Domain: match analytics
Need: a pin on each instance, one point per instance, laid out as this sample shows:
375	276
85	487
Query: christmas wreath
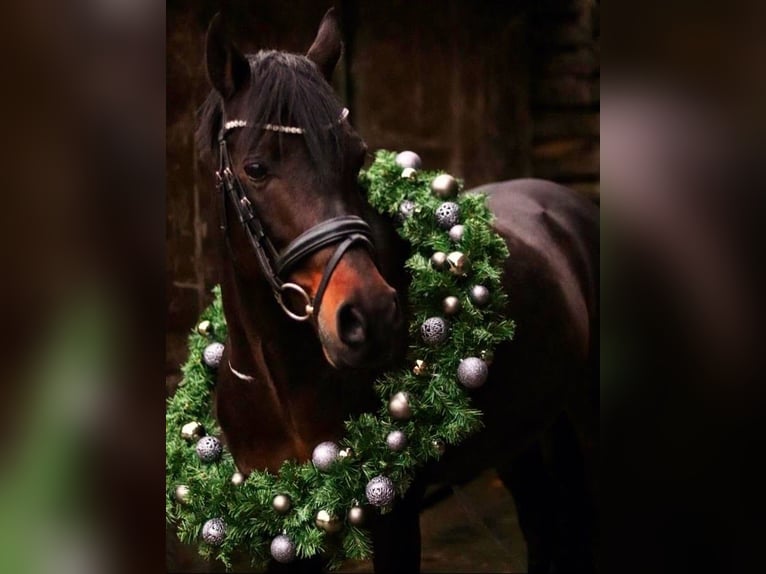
456	308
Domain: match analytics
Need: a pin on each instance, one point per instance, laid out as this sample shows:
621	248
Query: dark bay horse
313	316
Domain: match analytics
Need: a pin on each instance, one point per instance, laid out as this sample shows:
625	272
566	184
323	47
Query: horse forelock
285	89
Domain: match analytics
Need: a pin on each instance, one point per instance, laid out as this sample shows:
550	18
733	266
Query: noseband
345	231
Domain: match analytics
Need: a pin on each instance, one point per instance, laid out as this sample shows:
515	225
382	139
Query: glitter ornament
380	491
214	531
283	549
433	331
212	354
447	214
209	449
472	372
396	440
324	455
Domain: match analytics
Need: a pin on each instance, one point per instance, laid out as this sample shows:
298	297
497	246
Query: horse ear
227	69
327	46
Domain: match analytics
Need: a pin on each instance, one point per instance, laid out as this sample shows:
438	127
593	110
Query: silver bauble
439	260
408	159
433	331
380	491
451	305
458	263
479	294
409	172
328	522
212	354
324	455
209	449
182	493
214	531
445	186
355	515
282	504
192	431
399	406
447	214
205	328
406	209
456	232
237	478
396	440
283	549
472	372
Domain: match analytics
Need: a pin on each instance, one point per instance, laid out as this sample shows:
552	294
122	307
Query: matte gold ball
192	431
356	515
237	478
444	186
182	493
458	263
451	305
399	406
205	328
439	260
282	503
420	368
328	522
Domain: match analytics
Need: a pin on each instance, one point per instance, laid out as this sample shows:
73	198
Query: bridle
345	230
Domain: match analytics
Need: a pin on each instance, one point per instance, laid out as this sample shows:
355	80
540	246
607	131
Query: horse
314	294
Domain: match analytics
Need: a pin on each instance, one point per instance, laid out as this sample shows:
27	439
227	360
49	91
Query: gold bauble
356	515
205	328
439	260
182	494
451	305
458	263
439	445
420	368
282	503
445	186
399	406
328	522
192	431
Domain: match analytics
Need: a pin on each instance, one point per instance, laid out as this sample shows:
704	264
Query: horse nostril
351	326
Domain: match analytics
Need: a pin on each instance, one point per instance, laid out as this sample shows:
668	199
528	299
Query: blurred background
485	90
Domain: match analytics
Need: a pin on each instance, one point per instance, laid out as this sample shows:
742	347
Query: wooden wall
487	90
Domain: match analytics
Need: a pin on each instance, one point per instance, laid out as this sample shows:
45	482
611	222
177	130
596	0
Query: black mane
289	91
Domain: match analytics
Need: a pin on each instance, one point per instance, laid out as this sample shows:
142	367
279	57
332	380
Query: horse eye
256	171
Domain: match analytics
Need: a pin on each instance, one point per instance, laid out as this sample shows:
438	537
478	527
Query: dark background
485	90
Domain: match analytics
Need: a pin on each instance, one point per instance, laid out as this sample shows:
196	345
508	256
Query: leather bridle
345	230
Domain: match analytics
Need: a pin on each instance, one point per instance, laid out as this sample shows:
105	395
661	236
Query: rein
345	230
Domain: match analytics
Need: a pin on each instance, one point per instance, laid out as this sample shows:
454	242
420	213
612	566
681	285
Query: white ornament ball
237	478
472	372
380	491
283	549
408	159
444	186
396	440
212	354
214	531
447	214
456	232
325	454
434	331
479	294
209	449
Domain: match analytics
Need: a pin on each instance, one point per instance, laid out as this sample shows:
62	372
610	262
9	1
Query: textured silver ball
479	294
448	214
205	328
380	491
472	372
324	455
182	493
328	522
209	449
451	305
434	331
409	172
396	440
439	260
283	549
456	232
399	406
355	515
212	354
408	159
192	431
214	531
406	209
445	186
237	478
282	504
